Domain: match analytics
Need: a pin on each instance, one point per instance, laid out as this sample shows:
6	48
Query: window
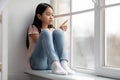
81	28
80	5
107	26
108	2
61	6
94	37
112	27
83	40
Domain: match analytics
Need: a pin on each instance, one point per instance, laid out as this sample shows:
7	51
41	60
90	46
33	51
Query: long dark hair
39	10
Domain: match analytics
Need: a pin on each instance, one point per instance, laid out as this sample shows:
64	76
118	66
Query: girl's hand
64	26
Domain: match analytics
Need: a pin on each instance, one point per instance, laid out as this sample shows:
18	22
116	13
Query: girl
46	45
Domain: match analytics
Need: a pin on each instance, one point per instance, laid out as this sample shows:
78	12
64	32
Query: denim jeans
49	47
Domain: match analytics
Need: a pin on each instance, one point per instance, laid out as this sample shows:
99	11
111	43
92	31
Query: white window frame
100	69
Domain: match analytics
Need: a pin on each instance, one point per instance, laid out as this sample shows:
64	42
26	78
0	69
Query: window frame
99	50
100	68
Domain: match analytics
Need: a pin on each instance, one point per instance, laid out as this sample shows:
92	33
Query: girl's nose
51	17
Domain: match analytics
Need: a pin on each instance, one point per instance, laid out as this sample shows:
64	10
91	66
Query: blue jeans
49	47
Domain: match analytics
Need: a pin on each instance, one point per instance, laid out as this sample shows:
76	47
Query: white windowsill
78	76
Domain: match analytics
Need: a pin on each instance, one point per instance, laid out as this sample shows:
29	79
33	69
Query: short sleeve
33	30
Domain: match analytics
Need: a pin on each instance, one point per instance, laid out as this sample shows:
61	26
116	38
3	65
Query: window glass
78	5
61	6
83	40
112	29
107	2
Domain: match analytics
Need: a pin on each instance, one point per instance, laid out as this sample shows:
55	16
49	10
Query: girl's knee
46	32
58	32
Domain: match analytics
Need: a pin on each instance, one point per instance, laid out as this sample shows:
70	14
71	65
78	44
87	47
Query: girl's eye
49	14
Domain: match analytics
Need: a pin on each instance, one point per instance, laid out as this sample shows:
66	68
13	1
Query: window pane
78	5
61	6
58	22
112	25
107	2
83	40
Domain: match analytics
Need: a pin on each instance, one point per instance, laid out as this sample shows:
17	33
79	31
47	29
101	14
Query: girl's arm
34	37
33	33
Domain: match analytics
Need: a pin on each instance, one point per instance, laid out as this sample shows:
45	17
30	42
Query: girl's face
47	16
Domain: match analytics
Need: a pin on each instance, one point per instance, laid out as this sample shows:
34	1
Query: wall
0	37
20	16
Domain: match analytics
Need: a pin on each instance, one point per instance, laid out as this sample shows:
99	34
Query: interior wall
0	37
20	16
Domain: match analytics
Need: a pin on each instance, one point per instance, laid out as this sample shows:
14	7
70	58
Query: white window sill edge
77	76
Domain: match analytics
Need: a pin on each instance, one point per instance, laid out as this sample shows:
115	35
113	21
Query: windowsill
77	76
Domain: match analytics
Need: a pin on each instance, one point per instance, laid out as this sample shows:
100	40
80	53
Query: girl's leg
38	60
60	46
59	43
44	52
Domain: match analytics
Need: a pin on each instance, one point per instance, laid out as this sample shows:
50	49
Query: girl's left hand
64	26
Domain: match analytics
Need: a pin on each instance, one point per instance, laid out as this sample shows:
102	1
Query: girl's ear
39	16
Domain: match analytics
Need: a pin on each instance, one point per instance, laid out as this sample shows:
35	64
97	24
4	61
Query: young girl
46	45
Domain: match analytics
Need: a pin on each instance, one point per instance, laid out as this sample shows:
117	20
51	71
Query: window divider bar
73	13
111	5
71	35
83	11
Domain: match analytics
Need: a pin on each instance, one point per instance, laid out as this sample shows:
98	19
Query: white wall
0	46
0	38
20	16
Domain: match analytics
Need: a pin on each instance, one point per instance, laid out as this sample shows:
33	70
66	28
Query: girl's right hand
64	26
